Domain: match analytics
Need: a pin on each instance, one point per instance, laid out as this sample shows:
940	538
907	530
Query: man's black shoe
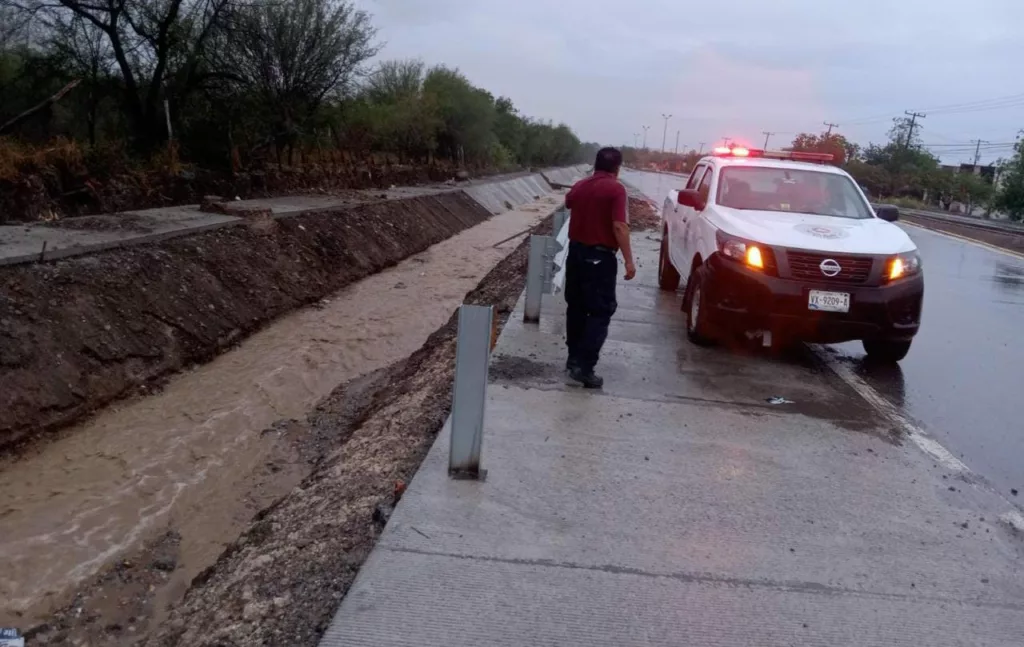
588	380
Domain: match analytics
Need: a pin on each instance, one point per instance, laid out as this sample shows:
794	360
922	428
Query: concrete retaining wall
502	196
29	243
562	177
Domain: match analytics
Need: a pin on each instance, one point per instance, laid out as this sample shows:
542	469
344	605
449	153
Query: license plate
828	301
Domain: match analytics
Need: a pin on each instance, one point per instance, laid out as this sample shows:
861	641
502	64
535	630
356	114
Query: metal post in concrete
535	272
472	362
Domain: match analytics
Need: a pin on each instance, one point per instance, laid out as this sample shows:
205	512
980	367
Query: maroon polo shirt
596	202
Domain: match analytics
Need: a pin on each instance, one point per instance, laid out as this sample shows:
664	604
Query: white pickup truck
782	246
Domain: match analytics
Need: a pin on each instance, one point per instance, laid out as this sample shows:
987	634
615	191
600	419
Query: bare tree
161	48
393	80
294	55
14	27
86	55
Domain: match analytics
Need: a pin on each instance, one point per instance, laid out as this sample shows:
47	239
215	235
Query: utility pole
636	140
913	120
977	151
646	128
766	134
830	127
664	131
677	142
701	151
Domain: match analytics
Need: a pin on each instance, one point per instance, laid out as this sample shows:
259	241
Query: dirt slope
80	333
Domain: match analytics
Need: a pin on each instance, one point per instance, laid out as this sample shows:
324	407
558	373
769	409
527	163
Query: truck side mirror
692	198
887	212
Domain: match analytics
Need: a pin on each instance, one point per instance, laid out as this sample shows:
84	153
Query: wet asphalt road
963	381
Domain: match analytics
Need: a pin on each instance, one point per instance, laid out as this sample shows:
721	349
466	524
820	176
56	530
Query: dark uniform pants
590	274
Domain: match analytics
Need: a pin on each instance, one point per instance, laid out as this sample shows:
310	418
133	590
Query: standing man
598	228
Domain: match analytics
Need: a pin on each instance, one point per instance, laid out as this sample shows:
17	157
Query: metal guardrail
545	273
966	221
476	339
561	225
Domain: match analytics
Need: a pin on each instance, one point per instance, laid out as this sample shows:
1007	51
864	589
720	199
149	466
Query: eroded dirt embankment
80	333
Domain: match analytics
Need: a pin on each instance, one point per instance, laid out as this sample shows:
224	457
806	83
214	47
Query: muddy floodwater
182	458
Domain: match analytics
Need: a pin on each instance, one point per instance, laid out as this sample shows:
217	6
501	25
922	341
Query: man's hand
630	270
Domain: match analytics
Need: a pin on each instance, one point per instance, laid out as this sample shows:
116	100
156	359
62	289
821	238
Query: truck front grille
807	265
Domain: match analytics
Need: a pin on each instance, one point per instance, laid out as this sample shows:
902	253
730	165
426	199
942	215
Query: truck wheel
668	277
695	306
885	350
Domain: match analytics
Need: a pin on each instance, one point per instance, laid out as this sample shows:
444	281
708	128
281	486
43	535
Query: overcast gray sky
733	68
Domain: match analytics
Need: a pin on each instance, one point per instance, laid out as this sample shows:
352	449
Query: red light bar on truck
800	156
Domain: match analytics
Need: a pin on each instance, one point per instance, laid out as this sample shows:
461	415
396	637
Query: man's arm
620	225
569	196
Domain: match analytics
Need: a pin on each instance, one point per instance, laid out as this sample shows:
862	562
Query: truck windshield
792	190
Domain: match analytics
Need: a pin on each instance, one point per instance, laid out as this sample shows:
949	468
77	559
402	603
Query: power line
998	100
987	144
993	103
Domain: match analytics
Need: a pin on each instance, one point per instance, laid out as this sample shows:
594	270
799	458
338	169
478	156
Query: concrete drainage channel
170	479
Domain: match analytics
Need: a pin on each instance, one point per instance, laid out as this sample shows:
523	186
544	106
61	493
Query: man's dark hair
608	160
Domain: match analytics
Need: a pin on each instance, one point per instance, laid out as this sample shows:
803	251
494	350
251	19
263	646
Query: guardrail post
472	362
535	273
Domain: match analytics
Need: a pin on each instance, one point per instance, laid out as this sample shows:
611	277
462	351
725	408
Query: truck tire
668	276
695	306
886	351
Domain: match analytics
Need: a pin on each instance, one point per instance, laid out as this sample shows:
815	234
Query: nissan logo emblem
829	267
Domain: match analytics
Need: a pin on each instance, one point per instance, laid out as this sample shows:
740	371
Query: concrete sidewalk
678	507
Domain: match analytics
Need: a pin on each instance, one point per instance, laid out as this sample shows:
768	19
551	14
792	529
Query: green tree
467	113
408	118
1010	197
972	190
834	143
509	128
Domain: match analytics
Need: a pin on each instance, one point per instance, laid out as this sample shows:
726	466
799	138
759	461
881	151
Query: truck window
695	177
763	188
705	185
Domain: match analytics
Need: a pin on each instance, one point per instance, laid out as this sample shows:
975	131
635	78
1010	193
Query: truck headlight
752	255
903	265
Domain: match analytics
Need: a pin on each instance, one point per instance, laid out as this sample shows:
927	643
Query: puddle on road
184	458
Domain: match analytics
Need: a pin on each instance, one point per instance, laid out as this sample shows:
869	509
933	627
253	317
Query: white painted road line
927	444
1014	519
